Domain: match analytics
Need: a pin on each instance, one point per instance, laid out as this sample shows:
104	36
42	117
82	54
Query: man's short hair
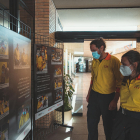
99	42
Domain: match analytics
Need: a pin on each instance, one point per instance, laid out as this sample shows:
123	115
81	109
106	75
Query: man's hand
87	98
113	105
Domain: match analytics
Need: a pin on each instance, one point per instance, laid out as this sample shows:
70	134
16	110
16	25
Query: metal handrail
6	16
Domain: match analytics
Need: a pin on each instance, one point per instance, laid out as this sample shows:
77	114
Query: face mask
125	70
24	113
96	55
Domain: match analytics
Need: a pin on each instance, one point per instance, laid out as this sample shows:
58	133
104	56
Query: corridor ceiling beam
78	36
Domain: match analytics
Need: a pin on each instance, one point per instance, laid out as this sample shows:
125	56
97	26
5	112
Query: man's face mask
125	70
96	55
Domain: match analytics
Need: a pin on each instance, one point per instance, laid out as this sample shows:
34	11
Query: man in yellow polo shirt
104	88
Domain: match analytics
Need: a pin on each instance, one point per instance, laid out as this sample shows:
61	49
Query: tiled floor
78	122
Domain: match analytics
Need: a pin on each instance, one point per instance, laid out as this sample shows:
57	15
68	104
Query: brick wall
42	17
30	5
46	18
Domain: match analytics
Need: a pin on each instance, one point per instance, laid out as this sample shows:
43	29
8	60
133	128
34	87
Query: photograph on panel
57	71
23	116
56	56
3	47
4	131
21	56
43	101
58	95
41	60
4	103
4	75
58	83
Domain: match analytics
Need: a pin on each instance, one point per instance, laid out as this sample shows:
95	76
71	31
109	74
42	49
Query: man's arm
113	103
118	77
90	87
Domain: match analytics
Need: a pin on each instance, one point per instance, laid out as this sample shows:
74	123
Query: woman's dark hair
133	56
99	42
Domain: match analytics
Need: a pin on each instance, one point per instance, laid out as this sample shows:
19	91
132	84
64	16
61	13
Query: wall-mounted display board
48	79
15	85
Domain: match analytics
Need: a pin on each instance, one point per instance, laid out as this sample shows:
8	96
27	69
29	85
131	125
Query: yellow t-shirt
59	84
26	117
44	64
17	54
1	109
130	95
46	55
40	62
6	109
23	57
55	85
3	136
106	76
22	120
39	105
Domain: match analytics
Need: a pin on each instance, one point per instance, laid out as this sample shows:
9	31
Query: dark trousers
126	127
98	105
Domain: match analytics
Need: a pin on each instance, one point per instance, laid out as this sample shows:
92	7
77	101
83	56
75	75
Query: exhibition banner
15	85
48	79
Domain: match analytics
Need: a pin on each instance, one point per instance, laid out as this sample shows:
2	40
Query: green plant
68	92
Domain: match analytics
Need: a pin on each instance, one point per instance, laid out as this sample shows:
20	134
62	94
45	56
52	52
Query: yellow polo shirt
17	54
130	95
106	76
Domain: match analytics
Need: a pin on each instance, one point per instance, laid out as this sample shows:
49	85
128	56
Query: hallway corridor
81	82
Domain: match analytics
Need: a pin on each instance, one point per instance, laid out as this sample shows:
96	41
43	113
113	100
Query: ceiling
111	46
100	19
95	3
98	15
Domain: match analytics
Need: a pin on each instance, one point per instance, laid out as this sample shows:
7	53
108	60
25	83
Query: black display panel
15	85
48	79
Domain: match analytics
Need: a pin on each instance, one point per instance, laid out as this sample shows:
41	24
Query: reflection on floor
81	82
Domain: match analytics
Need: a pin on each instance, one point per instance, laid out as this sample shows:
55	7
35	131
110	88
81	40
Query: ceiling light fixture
78	52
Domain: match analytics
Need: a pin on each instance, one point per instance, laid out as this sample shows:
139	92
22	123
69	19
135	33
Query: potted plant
68	92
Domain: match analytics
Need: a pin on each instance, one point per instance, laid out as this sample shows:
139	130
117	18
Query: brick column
42	17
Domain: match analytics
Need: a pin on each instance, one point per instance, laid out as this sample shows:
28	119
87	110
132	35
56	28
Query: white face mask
125	70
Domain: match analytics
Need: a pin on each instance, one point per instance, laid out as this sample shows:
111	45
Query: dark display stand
40	129
48	80
16	89
15	85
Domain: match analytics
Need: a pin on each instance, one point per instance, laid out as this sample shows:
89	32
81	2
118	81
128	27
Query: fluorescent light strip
102	28
78	52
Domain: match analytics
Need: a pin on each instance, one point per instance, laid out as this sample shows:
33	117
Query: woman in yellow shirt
127	122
